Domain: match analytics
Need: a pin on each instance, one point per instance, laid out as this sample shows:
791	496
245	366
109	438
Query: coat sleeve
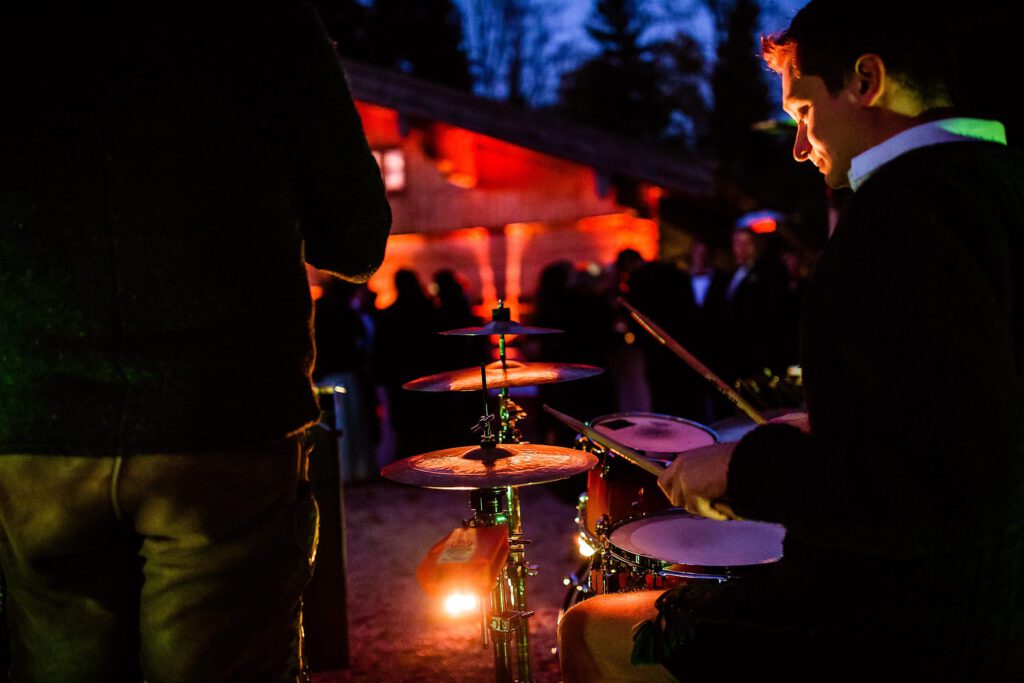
344	211
915	443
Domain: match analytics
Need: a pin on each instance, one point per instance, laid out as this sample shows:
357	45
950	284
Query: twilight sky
569	43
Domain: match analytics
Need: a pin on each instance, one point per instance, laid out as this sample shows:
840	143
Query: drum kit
641	541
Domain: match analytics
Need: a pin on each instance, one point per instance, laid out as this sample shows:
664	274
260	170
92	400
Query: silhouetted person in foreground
164	174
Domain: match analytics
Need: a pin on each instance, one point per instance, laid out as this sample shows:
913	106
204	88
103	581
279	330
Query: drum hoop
658	565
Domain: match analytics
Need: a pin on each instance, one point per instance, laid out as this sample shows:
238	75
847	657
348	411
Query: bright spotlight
458	604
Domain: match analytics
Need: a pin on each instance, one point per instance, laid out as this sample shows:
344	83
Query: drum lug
517	544
581	507
509	621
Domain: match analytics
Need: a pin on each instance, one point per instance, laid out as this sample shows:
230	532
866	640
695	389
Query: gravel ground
398	633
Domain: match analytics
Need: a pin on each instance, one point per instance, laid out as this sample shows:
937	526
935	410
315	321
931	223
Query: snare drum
618	489
673	546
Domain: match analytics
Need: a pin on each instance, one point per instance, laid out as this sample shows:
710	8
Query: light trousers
163	567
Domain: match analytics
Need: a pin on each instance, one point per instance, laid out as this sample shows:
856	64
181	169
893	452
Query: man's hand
697	478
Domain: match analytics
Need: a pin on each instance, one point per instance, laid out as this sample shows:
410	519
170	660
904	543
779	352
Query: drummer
905	545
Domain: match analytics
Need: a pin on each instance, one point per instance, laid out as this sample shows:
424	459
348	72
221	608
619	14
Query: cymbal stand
508	621
509	413
505	625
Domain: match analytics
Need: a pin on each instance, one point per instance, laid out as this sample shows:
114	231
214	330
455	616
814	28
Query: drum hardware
492	471
592	542
772	391
483	427
509	414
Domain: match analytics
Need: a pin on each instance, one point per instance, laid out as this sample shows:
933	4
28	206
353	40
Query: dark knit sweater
912	481
161	168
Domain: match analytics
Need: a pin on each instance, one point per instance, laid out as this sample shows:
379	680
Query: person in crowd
903	496
749	312
406	344
578	302
165	172
628	361
456	413
663	291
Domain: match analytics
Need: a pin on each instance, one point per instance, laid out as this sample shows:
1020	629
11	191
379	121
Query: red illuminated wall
506	263
535	209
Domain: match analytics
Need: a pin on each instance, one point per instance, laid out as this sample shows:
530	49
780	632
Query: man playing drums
903	505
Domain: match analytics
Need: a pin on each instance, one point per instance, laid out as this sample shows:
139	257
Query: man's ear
868	80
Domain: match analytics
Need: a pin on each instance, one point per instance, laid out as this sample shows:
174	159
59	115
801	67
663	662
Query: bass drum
617	489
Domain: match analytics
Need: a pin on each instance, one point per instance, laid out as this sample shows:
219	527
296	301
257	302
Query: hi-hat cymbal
481	467
500	327
513	374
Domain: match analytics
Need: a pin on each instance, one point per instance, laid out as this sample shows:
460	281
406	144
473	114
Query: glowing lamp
457	604
584	547
464	565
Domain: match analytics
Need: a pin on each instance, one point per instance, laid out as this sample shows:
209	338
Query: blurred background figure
664	292
628	365
455	413
751	311
453	312
577	301
406	345
344	367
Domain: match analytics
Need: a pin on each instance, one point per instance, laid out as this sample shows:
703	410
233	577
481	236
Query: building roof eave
607	153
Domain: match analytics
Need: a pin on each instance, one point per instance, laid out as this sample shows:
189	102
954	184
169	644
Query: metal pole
502	652
518	574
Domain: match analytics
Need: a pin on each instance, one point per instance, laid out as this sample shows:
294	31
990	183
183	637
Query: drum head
676	537
653	434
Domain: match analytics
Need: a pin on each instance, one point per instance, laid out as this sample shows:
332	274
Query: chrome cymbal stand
507	624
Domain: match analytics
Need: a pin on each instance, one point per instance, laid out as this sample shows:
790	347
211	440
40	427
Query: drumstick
691	360
607	442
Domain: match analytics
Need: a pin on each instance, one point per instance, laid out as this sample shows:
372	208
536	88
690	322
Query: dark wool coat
160	174
904	508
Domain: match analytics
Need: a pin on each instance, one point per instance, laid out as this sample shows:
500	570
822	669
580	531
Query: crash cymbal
500	327
479	467
513	374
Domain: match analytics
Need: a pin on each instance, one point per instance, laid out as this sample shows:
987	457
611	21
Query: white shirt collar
931	133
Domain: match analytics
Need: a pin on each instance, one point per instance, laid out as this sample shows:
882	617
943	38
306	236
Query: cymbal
514	374
480	467
500	327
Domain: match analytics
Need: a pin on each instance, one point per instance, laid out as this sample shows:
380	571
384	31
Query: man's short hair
826	37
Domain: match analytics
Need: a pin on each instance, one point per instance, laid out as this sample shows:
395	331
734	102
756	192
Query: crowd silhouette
736	310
